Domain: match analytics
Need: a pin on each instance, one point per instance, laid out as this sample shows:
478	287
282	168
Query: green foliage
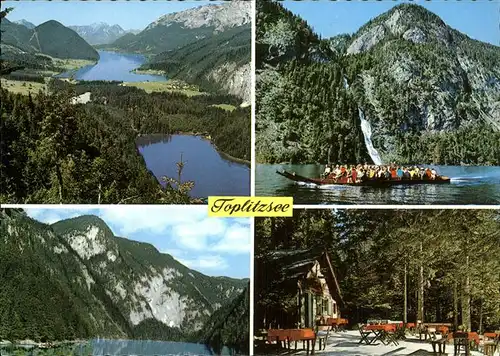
229	325
372	251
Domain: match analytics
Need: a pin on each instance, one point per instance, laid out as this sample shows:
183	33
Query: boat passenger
387	174
394	173
327	171
354	175
433	174
421	173
399	172
428	173
361	176
406	174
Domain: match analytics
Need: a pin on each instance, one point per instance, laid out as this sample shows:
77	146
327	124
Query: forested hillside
428	92
448	260
76	280
221	61
53	151
50	38
230	325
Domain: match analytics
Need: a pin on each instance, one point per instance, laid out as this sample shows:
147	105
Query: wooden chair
439	345
491	346
461	341
322	336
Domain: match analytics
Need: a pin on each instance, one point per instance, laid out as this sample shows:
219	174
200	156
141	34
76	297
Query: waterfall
367	133
346	84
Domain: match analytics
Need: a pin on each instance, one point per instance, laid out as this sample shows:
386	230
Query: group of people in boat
366	172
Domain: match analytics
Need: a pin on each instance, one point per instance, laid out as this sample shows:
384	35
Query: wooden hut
295	288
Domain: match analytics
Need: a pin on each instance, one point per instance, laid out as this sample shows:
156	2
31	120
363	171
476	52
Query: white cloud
50	216
207	262
236	240
156	219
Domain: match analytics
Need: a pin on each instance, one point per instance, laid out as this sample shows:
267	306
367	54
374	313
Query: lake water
145	348
469	185
212	173
114	66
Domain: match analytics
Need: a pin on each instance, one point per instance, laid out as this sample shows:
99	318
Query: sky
479	19
130	15
212	246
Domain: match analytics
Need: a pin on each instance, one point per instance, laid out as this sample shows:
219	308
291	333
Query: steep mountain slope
106	285
223	58
428	92
99	33
50	38
17	35
56	40
229	325
179	29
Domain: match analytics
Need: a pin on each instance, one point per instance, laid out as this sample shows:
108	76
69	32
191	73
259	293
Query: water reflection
211	171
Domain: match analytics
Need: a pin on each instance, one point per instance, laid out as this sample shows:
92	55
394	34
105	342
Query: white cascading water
367	133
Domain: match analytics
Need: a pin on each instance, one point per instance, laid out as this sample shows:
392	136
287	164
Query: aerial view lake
469	185
212	172
114	66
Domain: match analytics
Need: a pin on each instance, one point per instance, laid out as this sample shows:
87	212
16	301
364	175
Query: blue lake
146	348
469	185
114	66
212	172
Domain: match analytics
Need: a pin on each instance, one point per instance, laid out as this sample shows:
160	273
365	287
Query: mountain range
175	30
427	92
101	33
49	38
76	279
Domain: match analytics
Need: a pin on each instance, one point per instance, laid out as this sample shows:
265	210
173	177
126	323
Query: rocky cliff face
121	283
234	78
448	78
220	17
424	87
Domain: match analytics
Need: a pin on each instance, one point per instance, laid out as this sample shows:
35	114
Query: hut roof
284	267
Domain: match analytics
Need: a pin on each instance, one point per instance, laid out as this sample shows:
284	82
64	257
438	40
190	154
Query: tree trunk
481	316
420	310
60	181
405	300
466	322
455	305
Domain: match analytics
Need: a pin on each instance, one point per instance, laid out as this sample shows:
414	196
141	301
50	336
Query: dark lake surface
114	66
212	173
147	348
469	185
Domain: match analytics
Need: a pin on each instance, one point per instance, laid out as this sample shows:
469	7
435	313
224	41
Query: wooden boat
370	183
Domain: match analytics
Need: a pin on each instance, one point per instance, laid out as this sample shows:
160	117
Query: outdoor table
473	337
337	323
443	330
491	335
288	335
384	333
